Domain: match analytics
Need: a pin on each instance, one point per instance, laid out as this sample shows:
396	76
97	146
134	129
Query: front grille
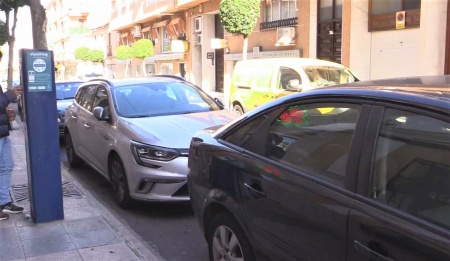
182	192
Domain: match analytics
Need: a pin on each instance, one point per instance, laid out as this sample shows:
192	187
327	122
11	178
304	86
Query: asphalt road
171	230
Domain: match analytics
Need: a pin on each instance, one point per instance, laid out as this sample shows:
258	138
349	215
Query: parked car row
355	171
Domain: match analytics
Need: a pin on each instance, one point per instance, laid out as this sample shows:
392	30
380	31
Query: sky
24	37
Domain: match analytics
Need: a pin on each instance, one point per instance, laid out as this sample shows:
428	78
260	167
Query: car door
80	116
288	81
98	141
402	210
76	119
296	179
258	81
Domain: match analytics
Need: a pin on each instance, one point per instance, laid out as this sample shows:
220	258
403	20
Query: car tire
225	227
72	157
119	182
238	109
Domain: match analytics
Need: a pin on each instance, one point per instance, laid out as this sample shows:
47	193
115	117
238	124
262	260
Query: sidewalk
87	232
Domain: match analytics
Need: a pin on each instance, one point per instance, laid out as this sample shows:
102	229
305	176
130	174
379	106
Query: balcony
289	22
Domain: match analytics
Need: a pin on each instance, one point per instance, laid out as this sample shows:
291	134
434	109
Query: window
167	40
312	137
242	135
383	12
411	165
280	9
392	6
288	79
86	97
101	97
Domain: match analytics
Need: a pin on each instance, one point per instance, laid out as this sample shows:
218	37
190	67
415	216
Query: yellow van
255	82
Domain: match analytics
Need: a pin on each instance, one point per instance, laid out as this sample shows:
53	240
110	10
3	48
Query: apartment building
375	38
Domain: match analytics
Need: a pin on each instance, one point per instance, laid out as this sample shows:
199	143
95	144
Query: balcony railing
289	22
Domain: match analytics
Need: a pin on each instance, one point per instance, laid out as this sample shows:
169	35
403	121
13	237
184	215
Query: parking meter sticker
39	65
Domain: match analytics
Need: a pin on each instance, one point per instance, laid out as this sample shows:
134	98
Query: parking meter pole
37	71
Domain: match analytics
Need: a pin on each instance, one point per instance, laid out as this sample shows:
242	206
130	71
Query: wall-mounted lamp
200	8
227	50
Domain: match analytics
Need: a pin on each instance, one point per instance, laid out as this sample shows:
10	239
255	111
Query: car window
412	167
287	78
66	90
86	97
101	97
313	137
241	135
328	75
161	98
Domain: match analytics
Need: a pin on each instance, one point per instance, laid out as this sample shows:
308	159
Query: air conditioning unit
198	37
137	30
197	24
285	36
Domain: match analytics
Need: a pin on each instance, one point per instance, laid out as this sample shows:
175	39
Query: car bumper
166	183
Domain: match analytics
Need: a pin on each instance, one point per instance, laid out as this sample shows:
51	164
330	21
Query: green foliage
142	49
9	5
82	53
124	52
79	30
3	33
97	55
239	16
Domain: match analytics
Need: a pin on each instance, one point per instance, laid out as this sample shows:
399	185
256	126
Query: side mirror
294	85
100	113
220	102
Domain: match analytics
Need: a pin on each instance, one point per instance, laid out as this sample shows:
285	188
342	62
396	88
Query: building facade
374	38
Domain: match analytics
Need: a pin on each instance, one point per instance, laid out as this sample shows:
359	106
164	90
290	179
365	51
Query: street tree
240	17
82	53
142	49
124	52
97	56
39	22
8	6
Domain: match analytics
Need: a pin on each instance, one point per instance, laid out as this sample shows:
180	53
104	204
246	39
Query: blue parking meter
37	71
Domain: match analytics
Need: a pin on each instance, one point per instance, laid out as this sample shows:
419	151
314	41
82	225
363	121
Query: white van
258	81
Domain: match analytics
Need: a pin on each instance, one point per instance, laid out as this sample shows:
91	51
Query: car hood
63	104
174	131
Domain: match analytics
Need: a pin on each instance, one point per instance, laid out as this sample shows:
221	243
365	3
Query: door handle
371	254
255	190
86	125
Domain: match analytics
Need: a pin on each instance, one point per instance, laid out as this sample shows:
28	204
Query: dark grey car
350	172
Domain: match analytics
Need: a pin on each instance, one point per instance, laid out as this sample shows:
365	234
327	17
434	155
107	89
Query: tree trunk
244	49
143	68
11	41
39	21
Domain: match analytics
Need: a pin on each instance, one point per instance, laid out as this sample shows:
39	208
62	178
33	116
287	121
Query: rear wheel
238	109
227	241
72	157
119	182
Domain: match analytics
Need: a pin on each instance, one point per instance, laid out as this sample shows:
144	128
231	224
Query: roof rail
100	79
169	76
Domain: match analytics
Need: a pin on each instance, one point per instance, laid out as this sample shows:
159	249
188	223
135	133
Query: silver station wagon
136	133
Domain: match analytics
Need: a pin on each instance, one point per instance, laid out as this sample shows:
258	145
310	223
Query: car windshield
161	98
66	90
320	76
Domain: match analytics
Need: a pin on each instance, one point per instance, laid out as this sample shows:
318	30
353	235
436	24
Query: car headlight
143	153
